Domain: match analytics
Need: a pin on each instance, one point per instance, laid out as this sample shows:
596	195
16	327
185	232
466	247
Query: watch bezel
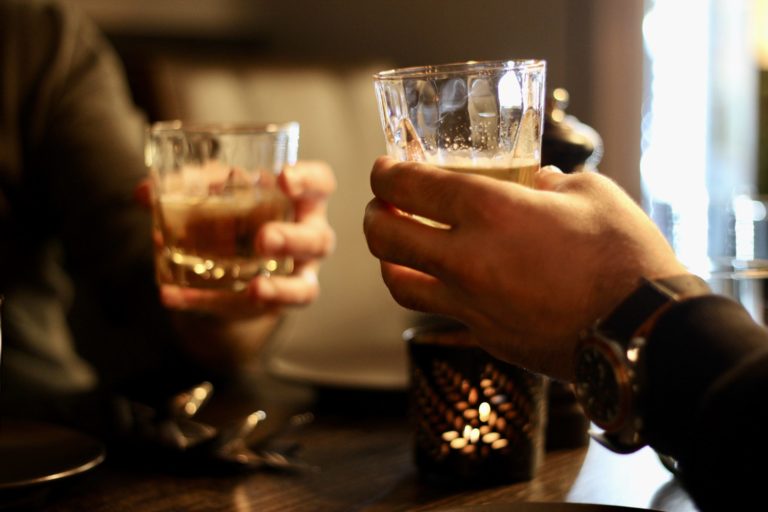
616	360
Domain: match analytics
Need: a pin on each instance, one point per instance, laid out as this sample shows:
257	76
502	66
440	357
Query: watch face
602	384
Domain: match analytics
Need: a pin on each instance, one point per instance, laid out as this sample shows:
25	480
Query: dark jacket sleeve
69	119
707	370
92	163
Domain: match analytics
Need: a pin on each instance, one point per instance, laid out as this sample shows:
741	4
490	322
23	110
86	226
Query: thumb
548	178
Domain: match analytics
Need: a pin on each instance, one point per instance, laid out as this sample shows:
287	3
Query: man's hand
307	241
225	330
525	269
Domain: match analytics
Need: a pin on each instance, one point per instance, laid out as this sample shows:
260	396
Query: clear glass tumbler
214	187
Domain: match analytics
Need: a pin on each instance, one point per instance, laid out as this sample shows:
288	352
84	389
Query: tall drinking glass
473	117
215	186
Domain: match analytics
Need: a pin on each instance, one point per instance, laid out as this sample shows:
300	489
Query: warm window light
699	138
761	32
673	163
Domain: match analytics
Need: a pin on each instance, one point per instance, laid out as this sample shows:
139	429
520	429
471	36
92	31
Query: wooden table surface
364	463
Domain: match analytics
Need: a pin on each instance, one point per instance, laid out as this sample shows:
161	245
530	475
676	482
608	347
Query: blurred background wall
593	47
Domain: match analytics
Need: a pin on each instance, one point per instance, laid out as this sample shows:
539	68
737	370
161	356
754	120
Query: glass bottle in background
568	143
739	266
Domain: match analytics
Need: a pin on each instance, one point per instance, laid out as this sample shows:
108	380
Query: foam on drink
518	170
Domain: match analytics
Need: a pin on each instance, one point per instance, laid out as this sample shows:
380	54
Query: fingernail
171	297
310	276
265	289
550	169
293	181
273	241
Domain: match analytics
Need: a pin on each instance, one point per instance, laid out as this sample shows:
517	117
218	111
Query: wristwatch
609	364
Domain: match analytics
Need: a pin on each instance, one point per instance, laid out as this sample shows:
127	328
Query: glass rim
233	128
455	68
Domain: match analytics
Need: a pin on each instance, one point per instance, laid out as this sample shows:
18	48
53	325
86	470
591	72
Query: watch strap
646	304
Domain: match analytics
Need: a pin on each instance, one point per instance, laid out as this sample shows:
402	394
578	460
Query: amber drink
518	171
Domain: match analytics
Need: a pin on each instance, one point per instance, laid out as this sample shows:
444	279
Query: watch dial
598	387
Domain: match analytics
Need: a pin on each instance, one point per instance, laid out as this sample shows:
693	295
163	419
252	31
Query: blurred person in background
83	317
532	272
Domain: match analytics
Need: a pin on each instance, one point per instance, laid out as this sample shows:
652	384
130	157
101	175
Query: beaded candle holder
477	420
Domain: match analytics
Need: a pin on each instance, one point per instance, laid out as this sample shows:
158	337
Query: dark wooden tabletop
363	462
